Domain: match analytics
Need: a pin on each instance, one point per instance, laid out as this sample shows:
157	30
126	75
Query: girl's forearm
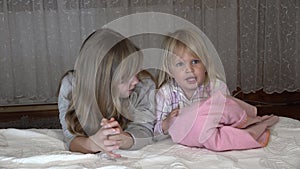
83	145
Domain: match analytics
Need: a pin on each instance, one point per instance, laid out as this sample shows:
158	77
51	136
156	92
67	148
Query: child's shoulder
167	87
219	85
68	77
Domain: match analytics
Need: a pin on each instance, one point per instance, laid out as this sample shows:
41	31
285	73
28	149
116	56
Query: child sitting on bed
194	105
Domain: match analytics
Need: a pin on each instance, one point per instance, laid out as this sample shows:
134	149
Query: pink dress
221	123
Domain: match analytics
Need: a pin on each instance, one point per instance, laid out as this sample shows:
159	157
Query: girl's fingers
110	153
174	113
116	137
111	124
111	131
111	144
104	121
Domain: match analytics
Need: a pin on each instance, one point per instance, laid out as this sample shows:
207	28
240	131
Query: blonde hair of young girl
197	43
106	59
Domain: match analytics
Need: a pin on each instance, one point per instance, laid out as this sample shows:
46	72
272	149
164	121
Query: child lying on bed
194	105
102	100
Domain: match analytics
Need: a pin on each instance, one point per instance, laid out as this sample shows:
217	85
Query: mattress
44	148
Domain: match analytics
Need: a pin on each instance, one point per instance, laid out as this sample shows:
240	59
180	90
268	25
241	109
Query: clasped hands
108	137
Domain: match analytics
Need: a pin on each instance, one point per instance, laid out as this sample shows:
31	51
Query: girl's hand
167	122
102	137
124	139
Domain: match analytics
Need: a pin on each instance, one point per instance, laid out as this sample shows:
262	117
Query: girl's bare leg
258	129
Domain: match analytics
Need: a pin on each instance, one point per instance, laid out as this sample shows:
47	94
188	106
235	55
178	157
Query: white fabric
43	148
258	42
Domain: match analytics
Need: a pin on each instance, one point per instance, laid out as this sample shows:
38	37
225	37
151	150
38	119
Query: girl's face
187	70
126	88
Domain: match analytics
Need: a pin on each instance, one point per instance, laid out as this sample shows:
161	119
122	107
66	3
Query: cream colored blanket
44	148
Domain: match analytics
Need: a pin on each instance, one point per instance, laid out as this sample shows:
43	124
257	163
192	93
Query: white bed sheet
44	148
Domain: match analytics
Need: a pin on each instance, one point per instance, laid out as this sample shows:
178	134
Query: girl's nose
188	68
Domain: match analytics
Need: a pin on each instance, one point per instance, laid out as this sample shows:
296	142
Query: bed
44	148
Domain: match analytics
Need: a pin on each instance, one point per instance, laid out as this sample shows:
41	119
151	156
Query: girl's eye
179	64
195	61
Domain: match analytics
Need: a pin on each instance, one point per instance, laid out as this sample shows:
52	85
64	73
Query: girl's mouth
191	79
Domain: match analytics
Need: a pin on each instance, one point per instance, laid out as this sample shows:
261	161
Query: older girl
104	103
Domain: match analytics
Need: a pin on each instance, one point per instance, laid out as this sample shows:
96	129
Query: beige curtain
258	40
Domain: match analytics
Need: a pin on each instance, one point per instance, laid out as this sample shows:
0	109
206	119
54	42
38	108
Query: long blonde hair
102	63
197	43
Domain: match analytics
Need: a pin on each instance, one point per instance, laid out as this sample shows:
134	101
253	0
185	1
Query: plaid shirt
170	96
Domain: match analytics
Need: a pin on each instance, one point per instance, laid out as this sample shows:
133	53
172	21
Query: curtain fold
258	41
269	35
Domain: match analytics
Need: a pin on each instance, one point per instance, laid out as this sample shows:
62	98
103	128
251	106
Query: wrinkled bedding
44	148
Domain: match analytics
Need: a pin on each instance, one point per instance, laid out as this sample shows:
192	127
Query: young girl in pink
194	106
